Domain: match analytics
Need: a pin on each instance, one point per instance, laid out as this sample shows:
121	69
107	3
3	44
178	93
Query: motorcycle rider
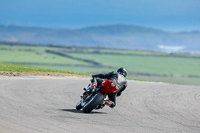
118	78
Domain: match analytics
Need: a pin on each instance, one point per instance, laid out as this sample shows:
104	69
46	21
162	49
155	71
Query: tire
93	103
78	106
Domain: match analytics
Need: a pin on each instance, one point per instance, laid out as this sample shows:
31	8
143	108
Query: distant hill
114	36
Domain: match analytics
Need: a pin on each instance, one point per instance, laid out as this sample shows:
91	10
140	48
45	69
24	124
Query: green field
179	68
21	68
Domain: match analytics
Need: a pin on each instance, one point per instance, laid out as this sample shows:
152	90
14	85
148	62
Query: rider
118	78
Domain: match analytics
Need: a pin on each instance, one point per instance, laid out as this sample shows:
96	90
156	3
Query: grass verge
8	67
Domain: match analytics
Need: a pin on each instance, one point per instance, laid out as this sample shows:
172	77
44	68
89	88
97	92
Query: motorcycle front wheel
93	103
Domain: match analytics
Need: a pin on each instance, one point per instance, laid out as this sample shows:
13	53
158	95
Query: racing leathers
121	84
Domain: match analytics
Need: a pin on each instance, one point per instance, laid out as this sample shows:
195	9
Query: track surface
48	105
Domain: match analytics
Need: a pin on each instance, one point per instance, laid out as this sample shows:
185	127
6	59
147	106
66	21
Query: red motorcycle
95	97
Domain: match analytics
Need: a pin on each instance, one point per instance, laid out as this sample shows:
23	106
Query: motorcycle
95	97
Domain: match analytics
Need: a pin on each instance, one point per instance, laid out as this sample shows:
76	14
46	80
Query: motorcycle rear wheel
93	103
78	105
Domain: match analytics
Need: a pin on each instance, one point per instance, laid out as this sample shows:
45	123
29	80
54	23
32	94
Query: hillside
114	36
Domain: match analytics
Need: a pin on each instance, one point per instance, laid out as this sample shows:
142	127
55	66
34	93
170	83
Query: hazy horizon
176	15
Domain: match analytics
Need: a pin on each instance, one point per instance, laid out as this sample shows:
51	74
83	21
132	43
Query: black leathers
120	81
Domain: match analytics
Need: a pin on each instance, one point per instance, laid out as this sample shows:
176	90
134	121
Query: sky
171	15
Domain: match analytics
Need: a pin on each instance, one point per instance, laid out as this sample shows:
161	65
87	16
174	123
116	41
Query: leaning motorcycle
95	97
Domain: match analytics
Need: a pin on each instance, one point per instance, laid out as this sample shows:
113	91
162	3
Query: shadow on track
72	110
80	111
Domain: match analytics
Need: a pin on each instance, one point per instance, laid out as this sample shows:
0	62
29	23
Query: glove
93	76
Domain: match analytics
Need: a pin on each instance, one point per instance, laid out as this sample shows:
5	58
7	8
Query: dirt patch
6	73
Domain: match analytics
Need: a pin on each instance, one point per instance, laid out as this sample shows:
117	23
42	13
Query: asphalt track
38	105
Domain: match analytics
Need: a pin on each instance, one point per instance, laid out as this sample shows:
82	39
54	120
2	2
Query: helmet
122	71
